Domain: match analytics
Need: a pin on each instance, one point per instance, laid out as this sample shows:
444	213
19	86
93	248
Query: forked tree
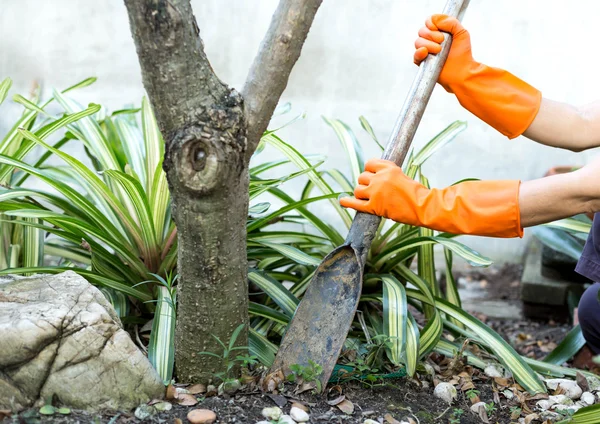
210	132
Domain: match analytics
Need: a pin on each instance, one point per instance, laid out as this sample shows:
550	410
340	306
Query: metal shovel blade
321	322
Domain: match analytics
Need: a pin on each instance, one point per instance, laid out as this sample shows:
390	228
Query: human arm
501	99
485	208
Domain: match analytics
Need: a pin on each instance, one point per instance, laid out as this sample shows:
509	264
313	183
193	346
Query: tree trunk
204	125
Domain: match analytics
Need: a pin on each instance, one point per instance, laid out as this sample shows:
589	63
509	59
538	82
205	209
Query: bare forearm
560	196
565	126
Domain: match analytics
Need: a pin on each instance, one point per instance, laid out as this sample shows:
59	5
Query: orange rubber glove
483	208
496	96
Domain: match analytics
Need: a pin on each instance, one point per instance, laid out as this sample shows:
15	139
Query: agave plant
112	224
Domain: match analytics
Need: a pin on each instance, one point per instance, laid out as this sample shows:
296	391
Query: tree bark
272	66
204	125
202	122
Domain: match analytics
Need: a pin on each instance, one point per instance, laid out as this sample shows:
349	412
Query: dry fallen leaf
197	389
391	420
300	406
177	421
529	418
273	380
4	413
171	392
337	400
346	407
582	382
185	399
502	382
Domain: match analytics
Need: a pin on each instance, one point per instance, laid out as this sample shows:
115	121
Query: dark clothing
589	263
589	317
589	307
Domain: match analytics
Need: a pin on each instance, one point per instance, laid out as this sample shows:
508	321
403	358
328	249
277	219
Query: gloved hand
499	98
484	208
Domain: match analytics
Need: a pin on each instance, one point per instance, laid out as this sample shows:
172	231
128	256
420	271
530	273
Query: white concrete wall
357	61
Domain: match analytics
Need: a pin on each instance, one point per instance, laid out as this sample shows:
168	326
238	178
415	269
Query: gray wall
357	61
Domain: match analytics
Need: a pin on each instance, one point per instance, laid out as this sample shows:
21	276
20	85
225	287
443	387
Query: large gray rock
60	336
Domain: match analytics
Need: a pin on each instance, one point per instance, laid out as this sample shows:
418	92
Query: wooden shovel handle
420	91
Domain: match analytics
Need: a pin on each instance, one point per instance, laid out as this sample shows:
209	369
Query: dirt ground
396	399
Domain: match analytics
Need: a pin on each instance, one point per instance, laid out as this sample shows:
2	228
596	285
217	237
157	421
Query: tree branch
176	72
273	64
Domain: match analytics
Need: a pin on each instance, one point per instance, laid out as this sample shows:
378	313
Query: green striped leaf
275	290
571	225
25	147
148	244
33	245
118	301
522	372
261	347
559	240
587	415
259	310
302	163
412	346
397	253
452	295
567	348
394	317
432	332
292	253
161	348
350	144
440	140
4	87
367	127
89	275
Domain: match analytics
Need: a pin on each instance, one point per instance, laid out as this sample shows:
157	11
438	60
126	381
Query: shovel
321	322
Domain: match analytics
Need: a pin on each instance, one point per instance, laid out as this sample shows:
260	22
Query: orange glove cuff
499	98
483	208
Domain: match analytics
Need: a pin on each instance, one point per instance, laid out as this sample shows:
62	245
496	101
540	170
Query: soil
401	398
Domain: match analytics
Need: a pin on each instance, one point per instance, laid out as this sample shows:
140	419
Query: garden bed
386	399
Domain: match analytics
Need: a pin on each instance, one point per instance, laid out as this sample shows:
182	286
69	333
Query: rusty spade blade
321	322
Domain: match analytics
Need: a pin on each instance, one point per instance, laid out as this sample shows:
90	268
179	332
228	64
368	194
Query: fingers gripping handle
364	226
420	93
